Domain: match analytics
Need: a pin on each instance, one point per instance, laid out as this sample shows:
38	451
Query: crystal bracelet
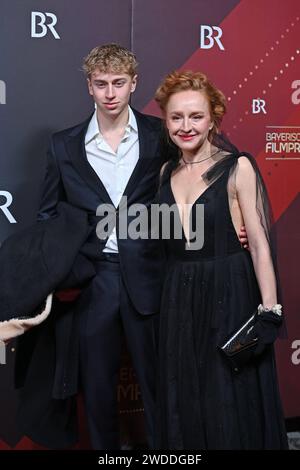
277	309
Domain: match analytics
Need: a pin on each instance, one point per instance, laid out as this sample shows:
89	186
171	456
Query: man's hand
243	237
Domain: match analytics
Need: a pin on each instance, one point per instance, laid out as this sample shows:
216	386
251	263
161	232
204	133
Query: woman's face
188	119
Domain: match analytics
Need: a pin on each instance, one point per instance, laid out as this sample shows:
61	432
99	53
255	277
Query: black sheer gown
202	402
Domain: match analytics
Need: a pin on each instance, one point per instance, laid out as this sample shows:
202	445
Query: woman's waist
192	256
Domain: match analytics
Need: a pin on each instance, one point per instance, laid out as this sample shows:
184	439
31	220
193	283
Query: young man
115	153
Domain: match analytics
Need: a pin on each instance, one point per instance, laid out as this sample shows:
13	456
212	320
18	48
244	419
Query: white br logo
207	33
296	94
4	206
2	92
258	106
39	19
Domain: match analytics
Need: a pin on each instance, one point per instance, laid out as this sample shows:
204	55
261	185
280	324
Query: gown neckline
192	205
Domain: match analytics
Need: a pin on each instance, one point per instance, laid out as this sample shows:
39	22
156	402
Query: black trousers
105	312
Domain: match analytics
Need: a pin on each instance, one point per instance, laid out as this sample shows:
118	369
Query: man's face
111	91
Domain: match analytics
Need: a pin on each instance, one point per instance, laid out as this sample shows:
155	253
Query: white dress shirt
113	168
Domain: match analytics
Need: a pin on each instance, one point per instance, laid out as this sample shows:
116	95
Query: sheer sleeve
249	192
243	174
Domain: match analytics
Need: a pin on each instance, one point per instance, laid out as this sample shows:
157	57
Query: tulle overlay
202	402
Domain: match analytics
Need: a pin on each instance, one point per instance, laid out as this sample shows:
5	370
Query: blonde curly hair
110	58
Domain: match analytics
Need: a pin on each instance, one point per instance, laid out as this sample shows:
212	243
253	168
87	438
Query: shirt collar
132	124
94	131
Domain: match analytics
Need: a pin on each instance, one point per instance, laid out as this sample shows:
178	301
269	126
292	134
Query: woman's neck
203	153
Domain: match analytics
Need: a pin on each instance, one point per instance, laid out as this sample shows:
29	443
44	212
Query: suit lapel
76	150
148	142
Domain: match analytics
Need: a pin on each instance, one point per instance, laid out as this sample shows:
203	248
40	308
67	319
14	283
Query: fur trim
10	329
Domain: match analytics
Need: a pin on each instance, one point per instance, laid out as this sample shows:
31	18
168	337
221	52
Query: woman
212	287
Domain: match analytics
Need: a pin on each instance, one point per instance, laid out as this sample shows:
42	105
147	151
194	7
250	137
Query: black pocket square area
240	345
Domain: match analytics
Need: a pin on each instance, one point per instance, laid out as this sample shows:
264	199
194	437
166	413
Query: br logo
5	205
258	106
39	24
210	35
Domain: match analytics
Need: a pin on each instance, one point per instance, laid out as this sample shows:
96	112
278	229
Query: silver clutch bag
240	345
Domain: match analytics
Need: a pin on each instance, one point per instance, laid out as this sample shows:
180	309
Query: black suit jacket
70	177
48	355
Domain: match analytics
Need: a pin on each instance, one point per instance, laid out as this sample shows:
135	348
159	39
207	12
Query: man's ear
133	83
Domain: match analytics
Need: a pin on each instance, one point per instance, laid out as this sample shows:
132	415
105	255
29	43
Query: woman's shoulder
244	162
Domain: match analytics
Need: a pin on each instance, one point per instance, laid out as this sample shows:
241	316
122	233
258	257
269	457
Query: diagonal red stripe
261	60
